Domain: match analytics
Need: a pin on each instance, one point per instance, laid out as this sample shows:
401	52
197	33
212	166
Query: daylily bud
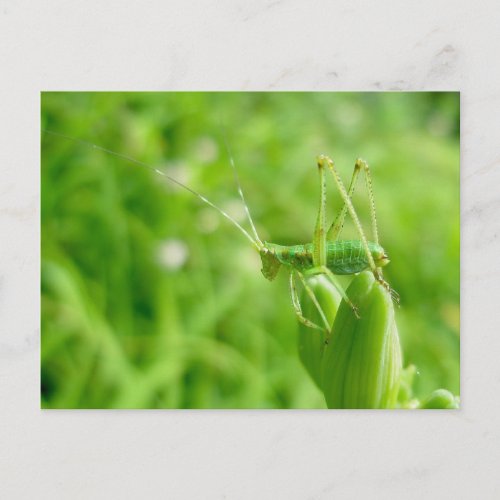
361	365
311	342
441	399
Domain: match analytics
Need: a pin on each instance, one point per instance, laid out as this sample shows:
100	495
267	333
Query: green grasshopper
326	255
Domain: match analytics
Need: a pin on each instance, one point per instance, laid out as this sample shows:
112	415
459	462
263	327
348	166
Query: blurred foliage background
150	299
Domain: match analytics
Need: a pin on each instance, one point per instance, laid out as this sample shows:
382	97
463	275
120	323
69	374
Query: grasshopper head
270	263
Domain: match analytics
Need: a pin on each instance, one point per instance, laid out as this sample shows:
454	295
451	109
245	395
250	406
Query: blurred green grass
151	300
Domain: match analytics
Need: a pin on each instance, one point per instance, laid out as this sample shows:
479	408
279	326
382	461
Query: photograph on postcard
250	250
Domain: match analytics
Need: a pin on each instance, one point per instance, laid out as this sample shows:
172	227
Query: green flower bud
440	399
361	365
406	398
311	342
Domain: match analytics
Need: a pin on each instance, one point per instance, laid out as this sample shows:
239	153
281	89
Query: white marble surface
272	44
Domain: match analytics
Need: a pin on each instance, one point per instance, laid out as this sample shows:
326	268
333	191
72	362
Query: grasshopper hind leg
336	227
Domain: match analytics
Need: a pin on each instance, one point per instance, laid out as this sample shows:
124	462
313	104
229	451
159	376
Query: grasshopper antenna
240	190
255	242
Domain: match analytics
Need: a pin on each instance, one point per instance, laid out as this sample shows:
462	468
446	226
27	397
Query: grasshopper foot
355	310
392	292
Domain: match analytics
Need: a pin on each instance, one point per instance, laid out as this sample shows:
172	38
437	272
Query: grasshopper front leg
298	308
